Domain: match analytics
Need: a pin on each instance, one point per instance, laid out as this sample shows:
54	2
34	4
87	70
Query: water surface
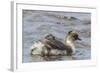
37	24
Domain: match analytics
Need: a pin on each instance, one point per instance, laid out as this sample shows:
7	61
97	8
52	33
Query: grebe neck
70	43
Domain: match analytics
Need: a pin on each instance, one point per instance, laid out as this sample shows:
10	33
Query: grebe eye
75	36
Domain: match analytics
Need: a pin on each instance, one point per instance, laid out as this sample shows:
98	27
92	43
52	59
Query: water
37	24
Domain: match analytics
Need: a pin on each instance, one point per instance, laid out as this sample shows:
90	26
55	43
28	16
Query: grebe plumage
50	45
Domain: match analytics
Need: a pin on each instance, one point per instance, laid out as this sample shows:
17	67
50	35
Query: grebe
50	46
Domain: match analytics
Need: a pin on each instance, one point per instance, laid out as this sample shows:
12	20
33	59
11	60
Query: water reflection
37	58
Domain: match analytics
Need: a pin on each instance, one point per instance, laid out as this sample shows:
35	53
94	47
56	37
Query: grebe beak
79	39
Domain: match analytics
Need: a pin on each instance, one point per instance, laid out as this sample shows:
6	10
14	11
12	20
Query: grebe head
73	36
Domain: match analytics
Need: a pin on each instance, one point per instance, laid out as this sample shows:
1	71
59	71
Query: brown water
37	24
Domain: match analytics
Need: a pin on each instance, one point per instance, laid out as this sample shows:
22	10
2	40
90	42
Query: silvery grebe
49	45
